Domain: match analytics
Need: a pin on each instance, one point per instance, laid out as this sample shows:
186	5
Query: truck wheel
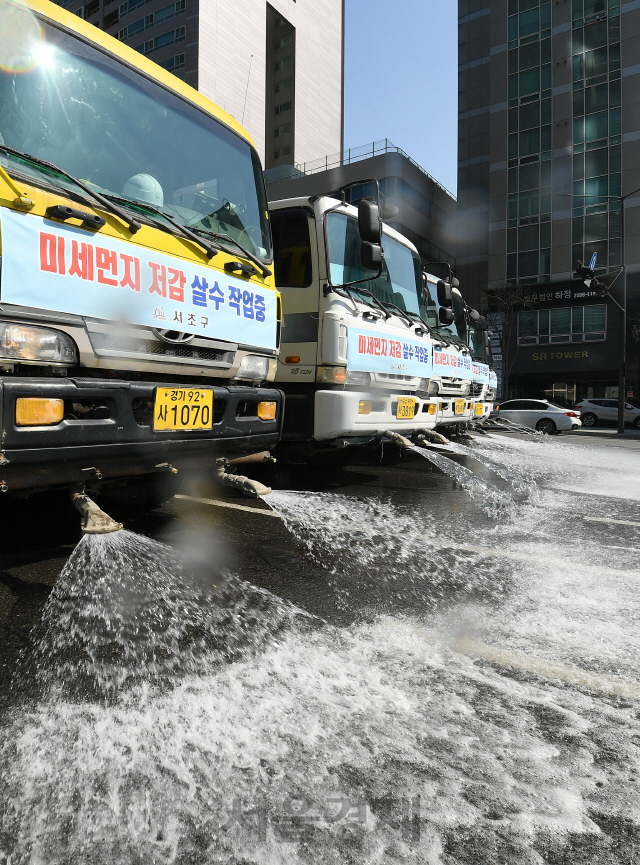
143	493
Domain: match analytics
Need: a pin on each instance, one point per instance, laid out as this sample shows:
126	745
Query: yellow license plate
460	404
406	408
479	409
183	408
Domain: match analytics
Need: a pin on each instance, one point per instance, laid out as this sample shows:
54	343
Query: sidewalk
612	433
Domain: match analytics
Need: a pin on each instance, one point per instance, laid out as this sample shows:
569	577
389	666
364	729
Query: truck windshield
65	101
479	350
400	280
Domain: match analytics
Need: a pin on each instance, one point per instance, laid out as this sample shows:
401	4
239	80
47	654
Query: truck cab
356	351
480	346
139	320
458	379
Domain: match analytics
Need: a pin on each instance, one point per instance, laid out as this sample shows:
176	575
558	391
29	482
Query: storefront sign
577	292
559	355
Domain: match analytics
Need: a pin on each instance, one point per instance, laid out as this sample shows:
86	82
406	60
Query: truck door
296	272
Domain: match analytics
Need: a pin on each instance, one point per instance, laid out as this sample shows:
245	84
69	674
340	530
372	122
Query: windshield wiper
209	248
132	223
404	315
221	236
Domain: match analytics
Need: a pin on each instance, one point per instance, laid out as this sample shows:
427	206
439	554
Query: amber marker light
38	411
432	409
293	359
267	410
364	406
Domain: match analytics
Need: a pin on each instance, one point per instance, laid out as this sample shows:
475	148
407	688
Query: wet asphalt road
40	533
346	590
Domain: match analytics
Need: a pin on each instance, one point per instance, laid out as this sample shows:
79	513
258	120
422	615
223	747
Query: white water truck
356	354
460	381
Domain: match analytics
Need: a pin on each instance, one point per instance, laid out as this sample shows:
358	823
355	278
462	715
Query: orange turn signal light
38	411
267	410
432	409
293	359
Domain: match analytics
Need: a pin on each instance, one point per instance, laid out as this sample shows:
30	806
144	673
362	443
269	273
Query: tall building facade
549	141
277	67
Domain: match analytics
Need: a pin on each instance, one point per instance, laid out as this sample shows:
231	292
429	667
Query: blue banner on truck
381	351
52	266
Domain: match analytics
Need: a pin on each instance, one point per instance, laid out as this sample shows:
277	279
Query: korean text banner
452	364
480	372
58	267
380	351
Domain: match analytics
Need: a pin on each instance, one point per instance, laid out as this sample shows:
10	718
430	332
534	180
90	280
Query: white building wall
230	31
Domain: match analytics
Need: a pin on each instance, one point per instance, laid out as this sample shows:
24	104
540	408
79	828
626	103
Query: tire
588	419
546	425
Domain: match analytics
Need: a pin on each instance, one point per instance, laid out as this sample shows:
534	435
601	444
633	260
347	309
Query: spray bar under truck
139	317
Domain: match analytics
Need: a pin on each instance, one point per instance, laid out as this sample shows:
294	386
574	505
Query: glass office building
549	139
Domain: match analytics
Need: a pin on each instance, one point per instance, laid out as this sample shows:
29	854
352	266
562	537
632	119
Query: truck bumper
121	442
447	415
336	415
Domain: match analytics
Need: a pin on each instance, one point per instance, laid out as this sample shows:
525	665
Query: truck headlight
466	388
331	374
356	377
253	367
22	342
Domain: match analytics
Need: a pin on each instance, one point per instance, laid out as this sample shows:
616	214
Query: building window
282	151
173	63
284	106
282	64
282	85
286	40
158	17
596	132
567	324
163	41
282	130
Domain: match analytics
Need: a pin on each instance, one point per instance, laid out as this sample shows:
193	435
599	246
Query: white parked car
593	411
543	416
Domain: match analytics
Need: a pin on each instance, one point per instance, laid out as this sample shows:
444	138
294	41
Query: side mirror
369	224
482	322
455	283
445	315
444	294
371	256
487	341
474	315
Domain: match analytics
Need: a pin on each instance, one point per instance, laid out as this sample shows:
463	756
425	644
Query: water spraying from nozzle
94	520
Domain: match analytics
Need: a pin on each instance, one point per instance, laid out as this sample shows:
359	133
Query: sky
401	80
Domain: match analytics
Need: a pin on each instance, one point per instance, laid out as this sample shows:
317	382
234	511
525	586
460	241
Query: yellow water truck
139	318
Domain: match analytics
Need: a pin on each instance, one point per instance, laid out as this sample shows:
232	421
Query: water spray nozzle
94	520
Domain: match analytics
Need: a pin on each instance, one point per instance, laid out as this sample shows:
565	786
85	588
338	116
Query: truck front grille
131	345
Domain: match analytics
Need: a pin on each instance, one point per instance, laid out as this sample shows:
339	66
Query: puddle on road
208	721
